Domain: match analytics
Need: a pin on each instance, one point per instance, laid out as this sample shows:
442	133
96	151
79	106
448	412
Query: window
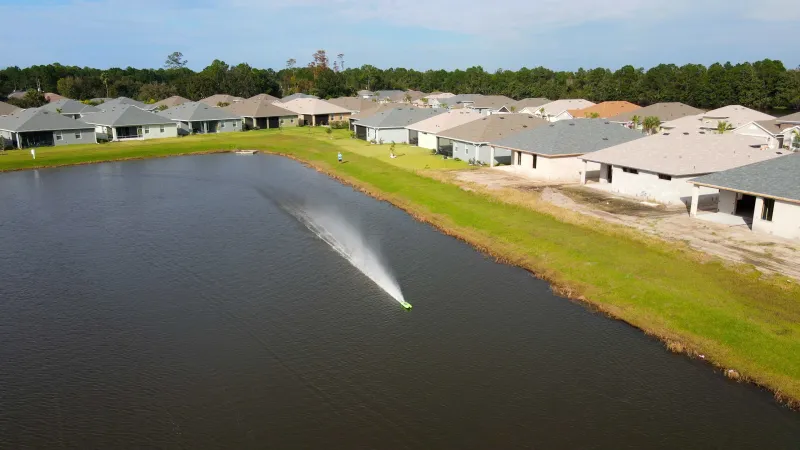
534	161
77	135
629	170
661	176
222	125
147	130
59	136
767	209
519	158
161	129
291	121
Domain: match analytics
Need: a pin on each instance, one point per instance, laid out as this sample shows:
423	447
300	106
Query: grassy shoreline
737	318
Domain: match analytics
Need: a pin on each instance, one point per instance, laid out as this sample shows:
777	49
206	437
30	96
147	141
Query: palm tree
636	121
104	79
512	108
407	98
594	115
723	126
651	124
795	140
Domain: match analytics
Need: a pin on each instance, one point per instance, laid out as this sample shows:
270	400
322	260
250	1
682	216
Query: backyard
729	314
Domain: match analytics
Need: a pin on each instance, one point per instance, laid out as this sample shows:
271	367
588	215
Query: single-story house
70	108
127	122
783	132
368	111
390	125
557	110
424	134
427	101
363	93
170	102
53	97
36	127
220	100
492	104
124	101
531	103
735	116
603	110
471	141
390	96
553	152
658	167
354	104
289	98
266	97
765	194
200	118
261	113
7	108
316	112
665	112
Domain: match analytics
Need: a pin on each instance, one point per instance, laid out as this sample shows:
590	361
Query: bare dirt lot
770	254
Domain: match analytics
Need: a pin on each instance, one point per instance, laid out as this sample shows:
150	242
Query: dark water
170	304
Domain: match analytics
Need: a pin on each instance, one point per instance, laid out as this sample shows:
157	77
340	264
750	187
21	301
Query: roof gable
37	119
665	111
258	107
777	178
197	111
124	115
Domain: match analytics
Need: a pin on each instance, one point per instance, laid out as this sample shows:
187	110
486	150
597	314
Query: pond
176	303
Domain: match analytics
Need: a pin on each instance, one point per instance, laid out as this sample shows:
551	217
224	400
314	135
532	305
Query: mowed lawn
736	317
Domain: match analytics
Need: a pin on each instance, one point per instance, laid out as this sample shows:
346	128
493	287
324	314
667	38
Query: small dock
246	152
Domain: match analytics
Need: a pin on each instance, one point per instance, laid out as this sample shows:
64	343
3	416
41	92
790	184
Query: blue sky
419	34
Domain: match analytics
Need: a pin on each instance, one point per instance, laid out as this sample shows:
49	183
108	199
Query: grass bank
737	318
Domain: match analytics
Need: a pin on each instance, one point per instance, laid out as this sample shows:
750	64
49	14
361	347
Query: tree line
766	84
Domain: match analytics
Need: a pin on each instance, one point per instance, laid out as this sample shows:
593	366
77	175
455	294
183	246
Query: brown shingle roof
665	111
170	102
604	109
6	108
256	107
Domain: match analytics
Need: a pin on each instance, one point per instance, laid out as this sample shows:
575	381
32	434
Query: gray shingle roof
67	106
120	101
777	178
665	111
256	107
569	137
289	98
169	102
124	116
196	111
399	117
37	119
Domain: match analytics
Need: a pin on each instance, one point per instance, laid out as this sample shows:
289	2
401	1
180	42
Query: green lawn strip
734	317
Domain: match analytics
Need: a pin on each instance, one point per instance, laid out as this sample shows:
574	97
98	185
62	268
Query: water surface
171	303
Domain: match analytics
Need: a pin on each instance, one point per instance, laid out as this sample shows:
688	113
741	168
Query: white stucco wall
785	219
398	135
427	140
554	168
752	130
727	202
371	134
648	186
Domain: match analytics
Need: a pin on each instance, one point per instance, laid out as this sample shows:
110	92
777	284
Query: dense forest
764	84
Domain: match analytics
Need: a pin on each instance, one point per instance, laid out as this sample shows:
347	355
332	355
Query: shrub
433	152
339	125
380	141
456	159
352	135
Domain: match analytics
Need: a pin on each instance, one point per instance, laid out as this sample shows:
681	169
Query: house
266	97
531	103
492	104
200	118
766	194
7	108
316	112
289	98
552	152
471	141
261	113
658	167
664	111
424	133
171	102
390	96
369	110
425	101
557	110
127	122
70	108
365	93
783	132
603	110
220	100
734	116
124	101
390	125
354	104
36	127
53	97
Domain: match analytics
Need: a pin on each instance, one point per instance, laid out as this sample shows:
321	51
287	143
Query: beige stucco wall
727	202
567	168
427	140
648	186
